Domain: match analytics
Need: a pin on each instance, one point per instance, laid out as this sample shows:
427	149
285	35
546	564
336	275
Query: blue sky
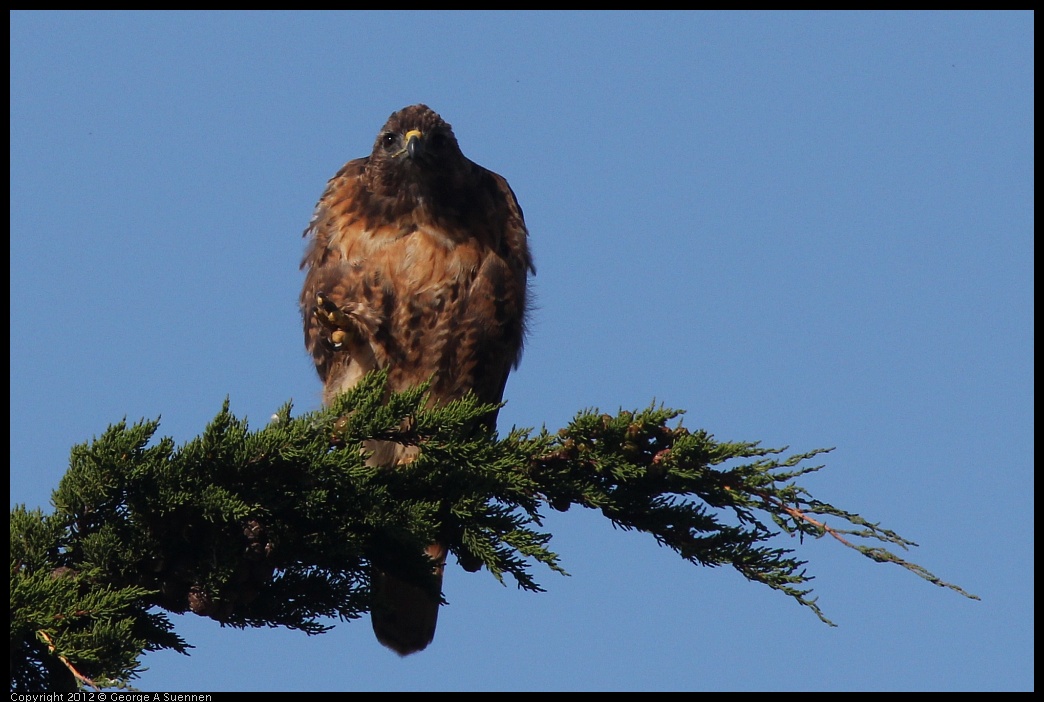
804	229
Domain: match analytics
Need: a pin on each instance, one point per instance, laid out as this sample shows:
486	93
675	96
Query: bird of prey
417	263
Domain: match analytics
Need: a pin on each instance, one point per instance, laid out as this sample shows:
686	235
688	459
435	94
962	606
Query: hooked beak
414	143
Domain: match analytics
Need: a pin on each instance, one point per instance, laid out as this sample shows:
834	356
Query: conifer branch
54	651
278	526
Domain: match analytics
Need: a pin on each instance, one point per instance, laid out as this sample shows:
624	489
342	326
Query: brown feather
426	253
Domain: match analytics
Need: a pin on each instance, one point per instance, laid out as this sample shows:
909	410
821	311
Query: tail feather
403	614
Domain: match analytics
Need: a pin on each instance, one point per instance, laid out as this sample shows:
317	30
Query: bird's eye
388	140
437	140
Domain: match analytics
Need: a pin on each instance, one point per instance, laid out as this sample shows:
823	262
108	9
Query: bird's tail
404	614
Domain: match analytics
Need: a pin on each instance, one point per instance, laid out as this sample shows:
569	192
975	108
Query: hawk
417	263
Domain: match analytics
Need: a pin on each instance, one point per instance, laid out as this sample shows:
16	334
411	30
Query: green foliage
59	614
278	526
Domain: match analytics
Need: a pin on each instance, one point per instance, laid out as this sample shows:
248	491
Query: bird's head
416	137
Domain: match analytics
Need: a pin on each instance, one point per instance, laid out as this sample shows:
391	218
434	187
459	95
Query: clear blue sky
805	229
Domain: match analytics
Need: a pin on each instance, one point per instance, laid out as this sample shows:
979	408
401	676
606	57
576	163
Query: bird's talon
327	311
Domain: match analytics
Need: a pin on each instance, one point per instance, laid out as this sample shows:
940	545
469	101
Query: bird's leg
347	324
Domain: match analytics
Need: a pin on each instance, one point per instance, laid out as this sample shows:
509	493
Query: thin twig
77	674
798	514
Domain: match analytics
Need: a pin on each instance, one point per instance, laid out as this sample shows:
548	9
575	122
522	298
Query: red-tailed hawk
417	263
